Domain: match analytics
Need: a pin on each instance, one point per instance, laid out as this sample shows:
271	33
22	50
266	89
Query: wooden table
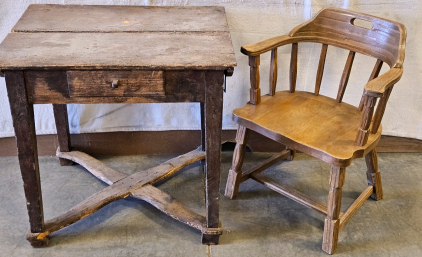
117	54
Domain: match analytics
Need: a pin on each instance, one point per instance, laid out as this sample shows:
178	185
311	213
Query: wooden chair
325	128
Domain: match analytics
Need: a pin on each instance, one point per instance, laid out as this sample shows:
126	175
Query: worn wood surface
23	122
330	129
52	86
148	193
116	54
121	187
115	83
122	51
373	175
213	119
112	18
62	126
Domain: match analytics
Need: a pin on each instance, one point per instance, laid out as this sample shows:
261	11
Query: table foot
210	239
37	240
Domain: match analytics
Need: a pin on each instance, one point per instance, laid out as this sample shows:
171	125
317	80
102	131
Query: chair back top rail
335	26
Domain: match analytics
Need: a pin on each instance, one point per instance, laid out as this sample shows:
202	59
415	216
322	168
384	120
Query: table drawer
116	83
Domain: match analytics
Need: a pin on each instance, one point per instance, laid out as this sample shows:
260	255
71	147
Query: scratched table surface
118	37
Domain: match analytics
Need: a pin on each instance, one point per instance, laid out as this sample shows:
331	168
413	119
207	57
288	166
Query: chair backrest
380	38
384	40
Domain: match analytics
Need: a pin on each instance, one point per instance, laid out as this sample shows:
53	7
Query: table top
118	37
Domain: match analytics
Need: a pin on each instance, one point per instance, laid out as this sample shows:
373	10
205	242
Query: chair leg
373	174
235	173
293	151
332	221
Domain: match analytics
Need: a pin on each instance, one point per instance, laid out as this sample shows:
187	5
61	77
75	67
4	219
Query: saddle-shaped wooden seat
325	128
329	130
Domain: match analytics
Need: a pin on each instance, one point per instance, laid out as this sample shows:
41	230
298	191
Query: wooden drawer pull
115	83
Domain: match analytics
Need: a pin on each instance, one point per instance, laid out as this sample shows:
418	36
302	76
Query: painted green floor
259	222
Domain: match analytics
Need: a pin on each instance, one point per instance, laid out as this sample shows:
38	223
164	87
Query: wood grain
332	221
255	91
374	74
111	51
273	71
23	123
148	193
120	189
345	76
113	18
321	66
355	206
62	126
373	175
213	121
330	129
293	68
129	83
235	172
290	193
363	131
265	165
52	86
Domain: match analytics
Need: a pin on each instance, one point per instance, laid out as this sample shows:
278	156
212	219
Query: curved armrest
378	86
267	45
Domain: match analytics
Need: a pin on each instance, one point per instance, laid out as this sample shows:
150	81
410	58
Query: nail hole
362	23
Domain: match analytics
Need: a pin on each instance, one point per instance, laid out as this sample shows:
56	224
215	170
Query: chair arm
267	45
378	86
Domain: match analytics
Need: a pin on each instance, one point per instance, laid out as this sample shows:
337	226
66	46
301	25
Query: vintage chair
317	125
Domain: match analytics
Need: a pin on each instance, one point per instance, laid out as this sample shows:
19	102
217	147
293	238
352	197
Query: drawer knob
115	83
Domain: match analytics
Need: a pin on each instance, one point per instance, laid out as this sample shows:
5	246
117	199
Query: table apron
99	86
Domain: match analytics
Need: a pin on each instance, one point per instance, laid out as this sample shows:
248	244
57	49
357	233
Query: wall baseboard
173	142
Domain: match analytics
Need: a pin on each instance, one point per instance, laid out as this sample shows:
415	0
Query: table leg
202	105
213	121
23	122
62	125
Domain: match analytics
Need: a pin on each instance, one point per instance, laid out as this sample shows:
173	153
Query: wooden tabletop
118	37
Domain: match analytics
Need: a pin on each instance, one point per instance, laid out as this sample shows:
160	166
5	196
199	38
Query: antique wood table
117	54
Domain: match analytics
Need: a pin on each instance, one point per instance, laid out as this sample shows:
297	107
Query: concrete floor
259	222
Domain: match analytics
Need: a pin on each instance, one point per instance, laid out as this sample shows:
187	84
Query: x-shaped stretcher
121	185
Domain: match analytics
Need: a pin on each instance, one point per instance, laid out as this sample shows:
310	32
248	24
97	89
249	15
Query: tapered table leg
23	122
213	121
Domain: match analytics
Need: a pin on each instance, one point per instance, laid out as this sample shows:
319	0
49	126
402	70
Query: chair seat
316	125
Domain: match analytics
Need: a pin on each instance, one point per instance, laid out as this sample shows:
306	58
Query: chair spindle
273	72
380	110
368	111
345	76
374	74
293	68
255	91
321	66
